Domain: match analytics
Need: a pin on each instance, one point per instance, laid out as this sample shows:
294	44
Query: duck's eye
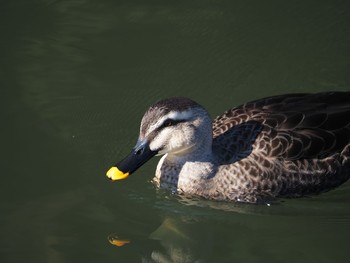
168	123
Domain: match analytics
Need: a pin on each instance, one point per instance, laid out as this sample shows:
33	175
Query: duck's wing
292	126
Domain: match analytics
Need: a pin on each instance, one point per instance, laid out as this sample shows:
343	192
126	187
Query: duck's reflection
180	241
175	240
189	231
202	231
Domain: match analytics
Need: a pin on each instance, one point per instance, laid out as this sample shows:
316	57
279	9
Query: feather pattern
299	144
282	146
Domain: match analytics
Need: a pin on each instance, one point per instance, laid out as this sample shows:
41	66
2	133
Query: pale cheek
181	139
155	145
172	140
168	141
160	141
175	144
188	137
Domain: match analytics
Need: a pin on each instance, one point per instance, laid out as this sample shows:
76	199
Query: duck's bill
140	154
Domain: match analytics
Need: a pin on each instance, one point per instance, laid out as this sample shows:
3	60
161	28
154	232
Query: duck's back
288	145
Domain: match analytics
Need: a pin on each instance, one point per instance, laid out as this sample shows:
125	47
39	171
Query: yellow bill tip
119	242
114	240
115	174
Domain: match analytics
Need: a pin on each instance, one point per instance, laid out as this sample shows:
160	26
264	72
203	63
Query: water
76	77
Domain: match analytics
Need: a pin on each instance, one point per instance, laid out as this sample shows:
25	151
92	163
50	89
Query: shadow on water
200	230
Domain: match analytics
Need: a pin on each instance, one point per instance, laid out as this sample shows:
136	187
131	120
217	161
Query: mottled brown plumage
282	146
289	145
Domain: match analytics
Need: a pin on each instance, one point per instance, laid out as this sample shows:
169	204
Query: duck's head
176	126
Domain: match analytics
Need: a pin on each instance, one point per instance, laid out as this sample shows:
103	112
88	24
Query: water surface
76	77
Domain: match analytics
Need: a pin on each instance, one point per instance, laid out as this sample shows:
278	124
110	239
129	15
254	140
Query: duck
282	146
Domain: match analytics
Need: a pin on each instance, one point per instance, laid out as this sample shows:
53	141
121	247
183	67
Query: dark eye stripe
169	122
166	123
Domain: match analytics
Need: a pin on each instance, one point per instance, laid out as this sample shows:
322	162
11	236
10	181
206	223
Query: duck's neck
194	161
194	153
199	148
179	170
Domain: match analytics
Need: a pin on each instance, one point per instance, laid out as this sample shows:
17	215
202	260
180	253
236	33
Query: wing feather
292	126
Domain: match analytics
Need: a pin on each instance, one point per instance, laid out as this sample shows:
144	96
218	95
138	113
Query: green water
75	79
